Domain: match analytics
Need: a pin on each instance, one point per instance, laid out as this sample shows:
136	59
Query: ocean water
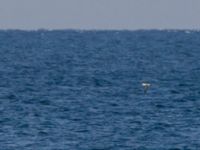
81	90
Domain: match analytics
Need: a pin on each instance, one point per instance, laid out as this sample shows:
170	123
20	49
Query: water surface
81	90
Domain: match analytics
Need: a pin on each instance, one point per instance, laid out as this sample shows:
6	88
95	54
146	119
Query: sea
82	90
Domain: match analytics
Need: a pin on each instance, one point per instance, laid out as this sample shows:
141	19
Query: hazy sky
100	14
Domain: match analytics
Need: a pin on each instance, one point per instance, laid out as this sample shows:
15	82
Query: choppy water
81	90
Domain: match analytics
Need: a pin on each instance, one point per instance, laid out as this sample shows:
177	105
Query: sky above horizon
99	14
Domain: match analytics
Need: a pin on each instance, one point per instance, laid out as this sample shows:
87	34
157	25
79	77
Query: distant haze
100	14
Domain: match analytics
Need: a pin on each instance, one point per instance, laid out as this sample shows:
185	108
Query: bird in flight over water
146	86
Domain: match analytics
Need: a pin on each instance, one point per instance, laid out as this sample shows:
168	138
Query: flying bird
146	86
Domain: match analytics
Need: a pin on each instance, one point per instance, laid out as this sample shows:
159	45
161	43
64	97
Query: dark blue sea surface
81	90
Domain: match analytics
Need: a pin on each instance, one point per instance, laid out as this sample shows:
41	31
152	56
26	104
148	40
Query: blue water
81	90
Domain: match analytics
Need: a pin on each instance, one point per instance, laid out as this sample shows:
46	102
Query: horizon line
86	29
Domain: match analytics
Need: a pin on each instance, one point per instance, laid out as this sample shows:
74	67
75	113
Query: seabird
146	86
